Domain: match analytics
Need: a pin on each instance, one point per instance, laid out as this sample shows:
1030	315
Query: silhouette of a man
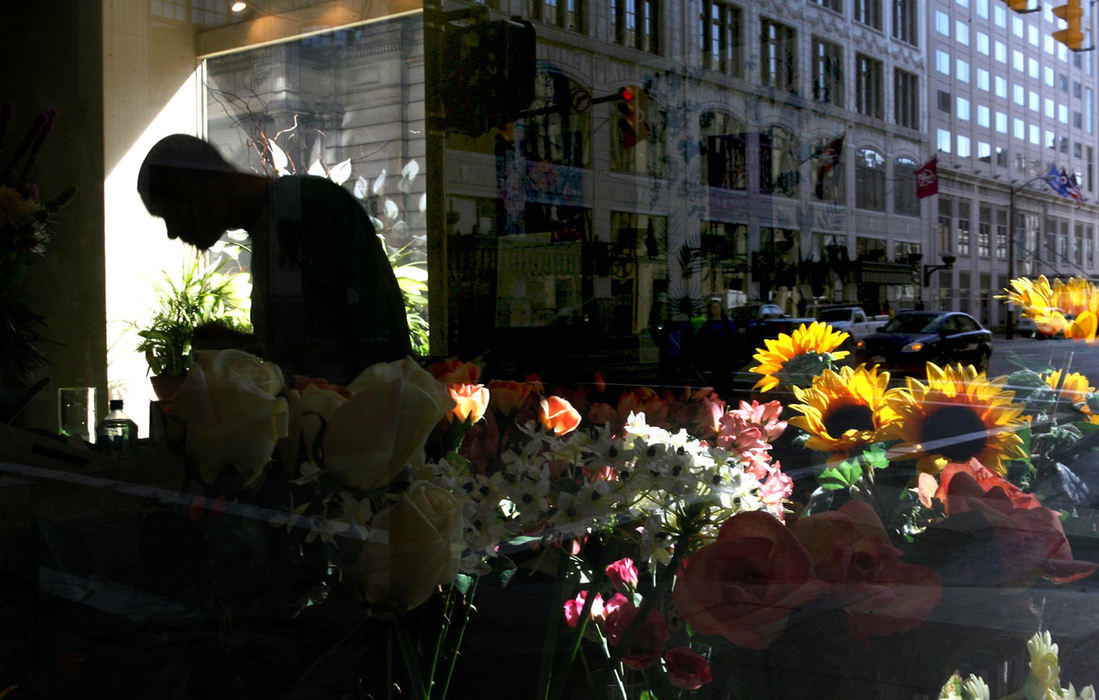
325	301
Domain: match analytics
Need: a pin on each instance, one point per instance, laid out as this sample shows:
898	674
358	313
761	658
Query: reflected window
778	55
827	61
869	88
778	162
560	137
869	179
721	34
906	21
868	12
568	14
905	201
637	24
724	157
906	90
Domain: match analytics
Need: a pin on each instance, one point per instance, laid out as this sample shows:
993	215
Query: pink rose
851	551
746	583
622	574
647	645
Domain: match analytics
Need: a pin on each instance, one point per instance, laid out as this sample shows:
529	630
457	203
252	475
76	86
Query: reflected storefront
572	486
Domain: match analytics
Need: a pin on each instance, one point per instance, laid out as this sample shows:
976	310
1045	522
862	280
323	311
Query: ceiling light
238	6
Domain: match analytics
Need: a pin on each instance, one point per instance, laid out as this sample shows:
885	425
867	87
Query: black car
911	339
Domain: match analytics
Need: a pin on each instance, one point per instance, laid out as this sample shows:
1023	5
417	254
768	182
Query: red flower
646	647
687	668
602	413
959	501
558	415
1026	539
642	400
698	410
851	551
622	574
744	585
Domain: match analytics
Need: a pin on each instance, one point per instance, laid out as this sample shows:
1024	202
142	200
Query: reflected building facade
1007	103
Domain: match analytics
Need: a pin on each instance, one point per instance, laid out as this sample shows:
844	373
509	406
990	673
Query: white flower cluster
649	483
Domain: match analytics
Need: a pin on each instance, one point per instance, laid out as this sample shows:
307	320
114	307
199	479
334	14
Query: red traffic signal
633	120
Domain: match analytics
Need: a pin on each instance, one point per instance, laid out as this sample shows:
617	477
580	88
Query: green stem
389	664
550	641
411	658
448	610
461	635
566	664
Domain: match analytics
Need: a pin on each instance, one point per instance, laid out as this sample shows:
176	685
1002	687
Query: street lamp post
1009	327
948	264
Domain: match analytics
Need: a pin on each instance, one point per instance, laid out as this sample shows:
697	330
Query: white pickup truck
853	320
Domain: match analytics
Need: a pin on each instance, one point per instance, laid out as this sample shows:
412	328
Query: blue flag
1057	182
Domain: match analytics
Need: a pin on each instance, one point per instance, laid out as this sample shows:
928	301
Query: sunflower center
957	432
854	416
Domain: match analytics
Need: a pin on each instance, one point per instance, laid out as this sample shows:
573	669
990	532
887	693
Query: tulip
558	415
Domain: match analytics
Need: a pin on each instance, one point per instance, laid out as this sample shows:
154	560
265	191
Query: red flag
927	179
829	156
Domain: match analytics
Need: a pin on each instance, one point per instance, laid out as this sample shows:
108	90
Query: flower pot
166	387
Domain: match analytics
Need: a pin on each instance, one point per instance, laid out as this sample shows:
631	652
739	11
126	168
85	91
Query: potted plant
202	296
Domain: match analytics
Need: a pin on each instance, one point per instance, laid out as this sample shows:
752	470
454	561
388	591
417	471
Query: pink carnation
765	416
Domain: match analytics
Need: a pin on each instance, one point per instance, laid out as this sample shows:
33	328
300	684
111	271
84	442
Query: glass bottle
116	432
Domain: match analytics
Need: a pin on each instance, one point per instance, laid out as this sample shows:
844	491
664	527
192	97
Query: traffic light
490	69
633	119
1071	36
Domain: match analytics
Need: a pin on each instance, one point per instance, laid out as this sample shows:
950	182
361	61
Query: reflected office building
584	171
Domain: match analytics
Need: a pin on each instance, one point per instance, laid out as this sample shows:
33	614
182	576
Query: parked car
911	339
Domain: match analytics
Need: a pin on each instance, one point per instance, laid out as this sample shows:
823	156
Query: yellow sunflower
843	410
1071	307
958	415
818	340
1074	388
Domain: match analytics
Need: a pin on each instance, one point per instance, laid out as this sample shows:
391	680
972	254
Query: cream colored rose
241	366
424	548
309	411
376	433
230	421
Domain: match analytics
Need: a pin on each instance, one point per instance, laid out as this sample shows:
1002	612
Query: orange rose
558	415
455	371
470	402
508	396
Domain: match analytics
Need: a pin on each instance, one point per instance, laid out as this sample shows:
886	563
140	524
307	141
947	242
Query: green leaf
1086	428
463	583
876	456
503	569
843	475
